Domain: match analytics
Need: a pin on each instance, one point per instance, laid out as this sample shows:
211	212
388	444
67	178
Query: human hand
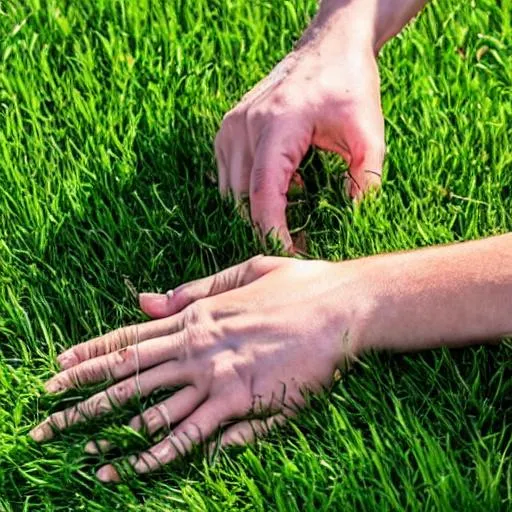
323	94
245	343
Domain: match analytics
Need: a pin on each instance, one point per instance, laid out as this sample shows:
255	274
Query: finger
278	153
118	339
365	172
120	364
239	172
172	373
297	186
169	412
221	166
161	416
245	432
160	305
190	432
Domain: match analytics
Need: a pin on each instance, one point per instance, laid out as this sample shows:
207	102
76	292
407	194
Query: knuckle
121	393
230	122
255	116
121	362
254	266
180	443
226	119
277	101
58	420
119	339
95	406
66	418
269	109
219	282
195	312
66	380
79	353
87	373
156	417
75	376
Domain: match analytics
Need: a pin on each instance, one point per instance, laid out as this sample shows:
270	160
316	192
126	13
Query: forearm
371	22
444	296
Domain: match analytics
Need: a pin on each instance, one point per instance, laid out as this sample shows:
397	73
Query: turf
108	109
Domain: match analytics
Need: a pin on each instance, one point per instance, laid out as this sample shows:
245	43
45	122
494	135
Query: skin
250	341
246	345
325	94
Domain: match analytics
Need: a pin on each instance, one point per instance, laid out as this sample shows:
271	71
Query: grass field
108	110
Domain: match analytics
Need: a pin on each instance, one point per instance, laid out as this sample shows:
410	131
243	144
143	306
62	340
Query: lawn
108	110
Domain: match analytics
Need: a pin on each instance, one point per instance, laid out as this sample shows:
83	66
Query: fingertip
36	435
373	180
136	423
224	191
53	386
212	448
156	305
296	187
41	433
282	237
359	185
108	473
67	359
97	447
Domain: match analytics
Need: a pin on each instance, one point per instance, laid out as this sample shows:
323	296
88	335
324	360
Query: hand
245	343
324	94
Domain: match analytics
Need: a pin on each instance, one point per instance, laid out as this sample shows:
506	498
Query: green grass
108	109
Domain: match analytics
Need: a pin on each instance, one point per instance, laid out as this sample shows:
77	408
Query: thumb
156	305
159	305
278	154
365	172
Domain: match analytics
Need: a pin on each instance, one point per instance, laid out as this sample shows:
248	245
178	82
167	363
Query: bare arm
376	20
443	296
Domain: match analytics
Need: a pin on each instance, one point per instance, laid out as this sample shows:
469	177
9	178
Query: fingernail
108	474
157	305
162	298
153	296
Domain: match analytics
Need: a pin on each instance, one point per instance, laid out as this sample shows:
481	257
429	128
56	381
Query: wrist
450	296
341	25
370	23
356	302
